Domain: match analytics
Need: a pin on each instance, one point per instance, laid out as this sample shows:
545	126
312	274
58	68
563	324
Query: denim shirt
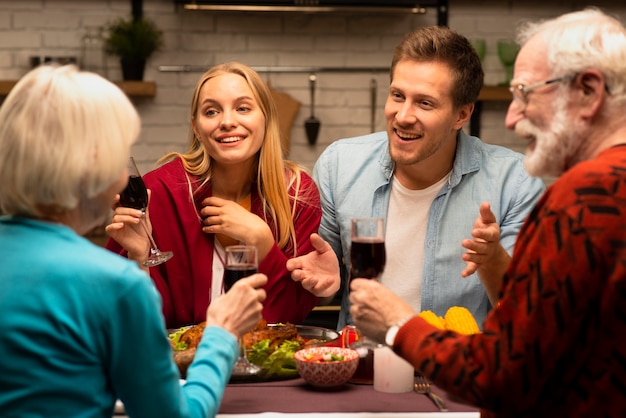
354	177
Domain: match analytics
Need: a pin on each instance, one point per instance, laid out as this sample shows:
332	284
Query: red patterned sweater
556	343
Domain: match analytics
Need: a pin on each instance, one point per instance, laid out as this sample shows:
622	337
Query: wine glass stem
153	247
242	350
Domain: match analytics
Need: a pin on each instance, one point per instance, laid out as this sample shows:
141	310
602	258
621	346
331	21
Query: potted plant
134	41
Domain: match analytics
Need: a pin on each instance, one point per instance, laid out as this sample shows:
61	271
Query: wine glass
507	52
367	250
367	260
135	196
240	261
480	45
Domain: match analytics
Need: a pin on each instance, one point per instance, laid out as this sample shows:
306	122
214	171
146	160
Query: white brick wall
55	27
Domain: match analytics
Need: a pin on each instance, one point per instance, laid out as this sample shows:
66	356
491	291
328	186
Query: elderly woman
82	326
231	186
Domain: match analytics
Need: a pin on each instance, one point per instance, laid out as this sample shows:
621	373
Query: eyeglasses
520	91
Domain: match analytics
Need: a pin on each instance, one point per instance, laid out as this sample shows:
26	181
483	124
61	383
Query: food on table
190	336
461	320
433	319
277	334
270	346
457	318
322	357
316	371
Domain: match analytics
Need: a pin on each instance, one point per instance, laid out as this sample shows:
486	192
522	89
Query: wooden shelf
138	88
131	88
495	94
6	86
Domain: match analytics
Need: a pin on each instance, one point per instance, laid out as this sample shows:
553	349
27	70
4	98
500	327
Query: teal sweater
81	326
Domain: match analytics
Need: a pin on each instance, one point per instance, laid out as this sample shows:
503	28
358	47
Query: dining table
296	398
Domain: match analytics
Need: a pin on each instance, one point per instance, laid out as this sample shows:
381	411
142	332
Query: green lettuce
259	352
175	338
280	363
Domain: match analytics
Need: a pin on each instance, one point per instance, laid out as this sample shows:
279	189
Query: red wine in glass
367	260
367	257
241	261
234	273
135	195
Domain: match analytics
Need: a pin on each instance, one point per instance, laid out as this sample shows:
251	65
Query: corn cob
433	319
460	319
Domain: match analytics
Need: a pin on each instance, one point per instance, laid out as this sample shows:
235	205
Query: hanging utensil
312	124
373	88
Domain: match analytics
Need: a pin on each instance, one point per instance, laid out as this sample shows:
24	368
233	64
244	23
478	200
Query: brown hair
439	43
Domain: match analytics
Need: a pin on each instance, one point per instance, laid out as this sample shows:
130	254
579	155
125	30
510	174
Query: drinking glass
480	45
367	250
135	196
507	52
240	261
367	260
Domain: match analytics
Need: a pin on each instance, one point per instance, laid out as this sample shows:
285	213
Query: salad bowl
326	367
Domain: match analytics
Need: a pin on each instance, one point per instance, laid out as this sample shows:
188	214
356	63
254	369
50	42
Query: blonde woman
231	186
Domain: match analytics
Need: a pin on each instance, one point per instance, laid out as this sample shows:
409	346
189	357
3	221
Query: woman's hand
222	216
239	310
126	229
317	271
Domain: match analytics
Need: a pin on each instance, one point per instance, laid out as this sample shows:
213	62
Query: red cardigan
554	345
185	280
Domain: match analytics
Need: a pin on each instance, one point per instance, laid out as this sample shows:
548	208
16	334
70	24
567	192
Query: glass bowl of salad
326	367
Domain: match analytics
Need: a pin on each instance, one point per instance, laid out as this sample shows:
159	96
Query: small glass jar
93	56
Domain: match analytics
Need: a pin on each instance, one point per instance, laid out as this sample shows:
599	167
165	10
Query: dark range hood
323	6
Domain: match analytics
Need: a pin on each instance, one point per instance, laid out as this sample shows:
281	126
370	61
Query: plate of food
270	346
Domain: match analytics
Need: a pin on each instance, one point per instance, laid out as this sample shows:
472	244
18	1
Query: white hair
65	135
584	39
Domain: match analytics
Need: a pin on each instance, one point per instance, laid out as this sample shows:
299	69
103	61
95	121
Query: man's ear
463	115
592	91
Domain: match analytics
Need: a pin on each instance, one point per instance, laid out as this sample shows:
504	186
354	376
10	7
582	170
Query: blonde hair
65	136
274	177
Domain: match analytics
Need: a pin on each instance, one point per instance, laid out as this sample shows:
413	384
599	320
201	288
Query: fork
422	385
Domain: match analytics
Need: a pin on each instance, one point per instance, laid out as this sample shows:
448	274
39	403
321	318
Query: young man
426	178
553	345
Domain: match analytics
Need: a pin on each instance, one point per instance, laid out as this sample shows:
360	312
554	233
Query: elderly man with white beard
553	344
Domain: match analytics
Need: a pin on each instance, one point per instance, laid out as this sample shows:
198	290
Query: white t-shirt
407	221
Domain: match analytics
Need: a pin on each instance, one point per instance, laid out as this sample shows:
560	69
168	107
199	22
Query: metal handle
438	401
312	80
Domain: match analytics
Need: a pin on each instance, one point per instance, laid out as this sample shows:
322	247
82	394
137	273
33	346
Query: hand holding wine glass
241	261
239	310
135	196
367	260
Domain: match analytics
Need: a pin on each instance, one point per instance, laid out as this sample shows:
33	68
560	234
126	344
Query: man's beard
555	147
